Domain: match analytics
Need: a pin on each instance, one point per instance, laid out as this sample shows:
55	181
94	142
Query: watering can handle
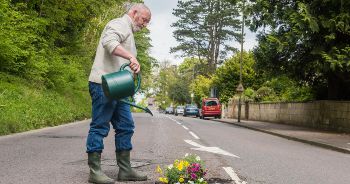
138	76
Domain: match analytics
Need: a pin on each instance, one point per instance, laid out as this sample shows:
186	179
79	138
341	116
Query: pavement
330	140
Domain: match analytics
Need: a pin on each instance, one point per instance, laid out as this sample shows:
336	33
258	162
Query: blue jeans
103	112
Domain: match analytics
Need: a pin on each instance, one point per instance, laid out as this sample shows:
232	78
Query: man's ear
133	13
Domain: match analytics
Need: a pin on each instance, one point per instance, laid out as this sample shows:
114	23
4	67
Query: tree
307	40
201	87
226	77
166	77
52	43
203	29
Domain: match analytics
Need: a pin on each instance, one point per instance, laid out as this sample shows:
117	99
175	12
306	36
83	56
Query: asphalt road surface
232	154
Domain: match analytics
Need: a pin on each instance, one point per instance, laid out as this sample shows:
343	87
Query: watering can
119	85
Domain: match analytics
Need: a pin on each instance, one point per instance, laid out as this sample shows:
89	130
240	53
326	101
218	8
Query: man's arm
121	52
111	41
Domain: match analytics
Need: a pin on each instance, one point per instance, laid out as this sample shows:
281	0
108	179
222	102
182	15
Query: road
232	154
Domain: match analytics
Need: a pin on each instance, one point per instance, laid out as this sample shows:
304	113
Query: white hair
136	6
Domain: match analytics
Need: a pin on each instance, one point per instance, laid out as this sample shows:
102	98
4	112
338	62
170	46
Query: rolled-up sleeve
114	34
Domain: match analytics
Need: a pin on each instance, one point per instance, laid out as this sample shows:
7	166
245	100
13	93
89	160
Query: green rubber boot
126	173
96	174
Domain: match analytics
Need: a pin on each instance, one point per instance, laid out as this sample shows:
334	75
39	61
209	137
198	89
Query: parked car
211	107
179	110
169	110
191	110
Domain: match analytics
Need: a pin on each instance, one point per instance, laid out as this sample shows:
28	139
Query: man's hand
134	65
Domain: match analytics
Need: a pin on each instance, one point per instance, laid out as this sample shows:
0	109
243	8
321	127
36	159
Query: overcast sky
162	34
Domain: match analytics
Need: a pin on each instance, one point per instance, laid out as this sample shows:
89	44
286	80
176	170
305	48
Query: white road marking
233	175
194	135
174	120
185	127
210	149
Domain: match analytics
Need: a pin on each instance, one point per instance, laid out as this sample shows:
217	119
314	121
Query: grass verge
25	107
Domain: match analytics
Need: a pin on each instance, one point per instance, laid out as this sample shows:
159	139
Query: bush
249	95
266	94
283	89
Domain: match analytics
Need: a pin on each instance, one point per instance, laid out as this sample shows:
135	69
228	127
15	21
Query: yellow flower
180	166
186	164
163	180
181	180
159	170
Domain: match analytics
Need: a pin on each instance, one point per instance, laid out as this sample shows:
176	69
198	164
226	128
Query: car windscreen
191	106
211	103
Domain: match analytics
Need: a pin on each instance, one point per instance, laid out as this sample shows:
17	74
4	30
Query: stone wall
326	115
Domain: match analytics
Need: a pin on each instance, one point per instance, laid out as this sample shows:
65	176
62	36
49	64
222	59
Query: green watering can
119	85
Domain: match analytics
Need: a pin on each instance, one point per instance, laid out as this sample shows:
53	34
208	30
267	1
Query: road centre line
194	135
233	175
174	120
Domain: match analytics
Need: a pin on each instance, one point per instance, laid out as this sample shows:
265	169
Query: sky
161	33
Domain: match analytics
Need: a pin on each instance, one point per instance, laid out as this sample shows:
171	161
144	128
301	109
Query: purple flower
193	176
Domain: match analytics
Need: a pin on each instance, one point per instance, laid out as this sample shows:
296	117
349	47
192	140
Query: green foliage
307	40
179	92
24	107
226	77
249	95
143	46
200	88
168	86
283	89
266	94
338	59
203	29
51	44
20	33
189	169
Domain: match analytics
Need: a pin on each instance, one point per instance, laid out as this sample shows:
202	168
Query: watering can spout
134	105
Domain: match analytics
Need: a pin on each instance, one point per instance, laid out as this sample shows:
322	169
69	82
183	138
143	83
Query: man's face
141	19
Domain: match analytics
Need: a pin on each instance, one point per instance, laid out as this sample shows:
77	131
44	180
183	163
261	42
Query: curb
29	132
314	143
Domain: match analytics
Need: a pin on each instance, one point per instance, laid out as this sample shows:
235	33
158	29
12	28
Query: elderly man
116	47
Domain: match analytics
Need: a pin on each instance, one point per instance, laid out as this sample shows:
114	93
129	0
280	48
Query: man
116	47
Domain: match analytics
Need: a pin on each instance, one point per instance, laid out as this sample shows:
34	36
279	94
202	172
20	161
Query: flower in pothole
181	180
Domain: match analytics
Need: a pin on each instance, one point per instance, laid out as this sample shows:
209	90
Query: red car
211	107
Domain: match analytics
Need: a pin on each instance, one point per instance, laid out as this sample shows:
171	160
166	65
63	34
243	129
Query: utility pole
240	88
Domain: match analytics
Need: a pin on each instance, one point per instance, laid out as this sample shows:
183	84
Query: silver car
169	110
179	110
